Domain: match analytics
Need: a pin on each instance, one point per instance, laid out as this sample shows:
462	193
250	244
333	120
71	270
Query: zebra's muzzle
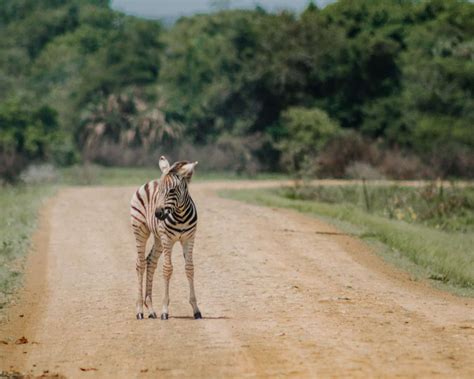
161	213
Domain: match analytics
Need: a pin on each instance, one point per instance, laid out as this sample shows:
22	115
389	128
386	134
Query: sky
173	8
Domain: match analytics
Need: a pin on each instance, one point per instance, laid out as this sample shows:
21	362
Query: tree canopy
396	72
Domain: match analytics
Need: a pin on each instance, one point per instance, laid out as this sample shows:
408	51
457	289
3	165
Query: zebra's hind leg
151	263
167	271
189	268
141	236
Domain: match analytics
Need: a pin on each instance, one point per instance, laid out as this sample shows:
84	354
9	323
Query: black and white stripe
165	210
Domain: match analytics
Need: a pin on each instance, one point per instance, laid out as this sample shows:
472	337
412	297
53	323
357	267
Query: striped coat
164	210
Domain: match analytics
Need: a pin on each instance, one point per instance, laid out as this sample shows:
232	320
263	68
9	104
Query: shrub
362	170
453	161
229	153
11	164
39	174
27	134
344	150
308	131
397	165
124	129
351	155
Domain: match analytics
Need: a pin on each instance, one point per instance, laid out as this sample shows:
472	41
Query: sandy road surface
281	295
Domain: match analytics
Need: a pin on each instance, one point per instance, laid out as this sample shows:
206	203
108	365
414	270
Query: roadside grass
439	205
19	208
446	257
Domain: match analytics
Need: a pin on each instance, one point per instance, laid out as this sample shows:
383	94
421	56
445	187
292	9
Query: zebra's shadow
204	317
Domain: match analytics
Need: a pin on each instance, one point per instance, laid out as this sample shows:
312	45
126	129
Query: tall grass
446	207
447	255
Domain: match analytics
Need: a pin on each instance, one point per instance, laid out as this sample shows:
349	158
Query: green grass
444	256
19	205
447	207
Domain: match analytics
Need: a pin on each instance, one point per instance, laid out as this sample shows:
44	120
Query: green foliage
399	72
70	57
208	83
130	55
236	71
307	132
438	76
366	67
26	131
26	134
239	71
124	120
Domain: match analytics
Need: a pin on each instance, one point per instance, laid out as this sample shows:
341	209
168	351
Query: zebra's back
142	206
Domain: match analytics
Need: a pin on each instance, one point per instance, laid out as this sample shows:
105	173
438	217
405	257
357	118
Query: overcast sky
166	8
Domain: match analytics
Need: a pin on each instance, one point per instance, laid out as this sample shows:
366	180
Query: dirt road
282	295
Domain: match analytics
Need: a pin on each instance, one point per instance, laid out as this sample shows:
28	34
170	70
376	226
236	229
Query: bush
42	173
453	161
362	170
27	134
397	165
229	153
352	155
343	151
124	129
11	164
307	132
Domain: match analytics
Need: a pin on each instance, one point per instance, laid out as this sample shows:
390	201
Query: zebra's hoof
152	315
197	316
139	316
164	316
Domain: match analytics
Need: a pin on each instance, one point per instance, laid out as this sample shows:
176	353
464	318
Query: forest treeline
358	88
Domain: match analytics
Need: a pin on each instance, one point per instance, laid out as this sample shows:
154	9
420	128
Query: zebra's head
173	186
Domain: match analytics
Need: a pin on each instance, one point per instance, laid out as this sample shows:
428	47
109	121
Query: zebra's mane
177	166
176	170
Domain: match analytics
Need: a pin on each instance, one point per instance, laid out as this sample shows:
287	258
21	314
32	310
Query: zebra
164	209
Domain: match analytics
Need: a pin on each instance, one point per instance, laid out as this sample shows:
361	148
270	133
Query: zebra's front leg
140	238
167	272
151	263
189	268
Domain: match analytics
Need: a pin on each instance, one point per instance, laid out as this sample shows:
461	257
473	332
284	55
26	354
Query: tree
438	77
26	134
307	132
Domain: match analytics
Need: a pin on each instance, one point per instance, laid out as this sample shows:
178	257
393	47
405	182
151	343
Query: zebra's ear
164	164
187	170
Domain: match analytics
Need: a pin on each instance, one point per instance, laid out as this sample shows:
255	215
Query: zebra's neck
185	206
184	213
